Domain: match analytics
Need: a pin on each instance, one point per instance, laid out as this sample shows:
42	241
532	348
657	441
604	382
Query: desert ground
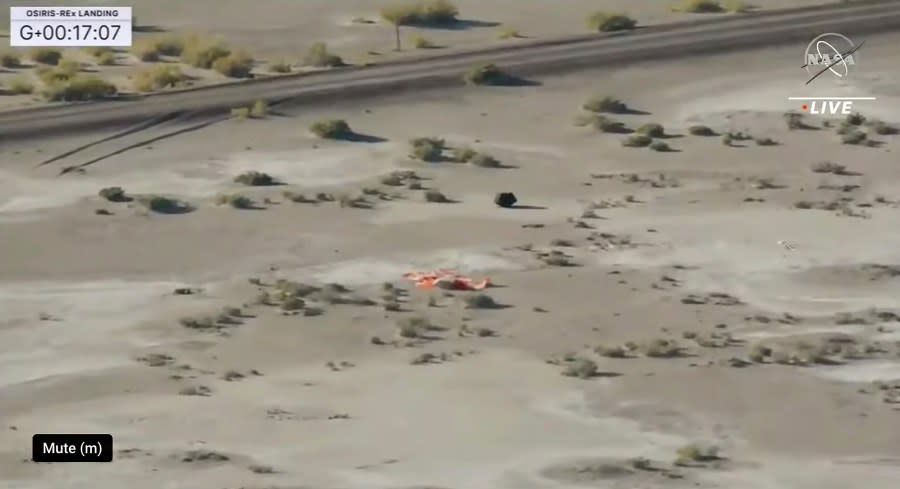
715	315
278	33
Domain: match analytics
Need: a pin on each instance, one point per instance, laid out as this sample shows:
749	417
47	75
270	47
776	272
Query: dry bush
509	33
164	205
236	201
331	129
605	105
637	141
428	149
701	131
661	348
255	178
10	60
280	67
855	119
464	154
413	327
486	74
652	129
611	351
855	137
582	368
660	146
107	59
765	142
20	86
80	89
234	65
693	453
318	56
699	7
46	56
436	197
606	22
422	13
157	77
881	128
114	194
480	301
240	112
421	42
203	53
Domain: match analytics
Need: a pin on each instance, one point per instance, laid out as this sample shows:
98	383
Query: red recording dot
804	106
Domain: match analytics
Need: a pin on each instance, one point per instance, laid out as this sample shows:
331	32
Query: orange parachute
446	279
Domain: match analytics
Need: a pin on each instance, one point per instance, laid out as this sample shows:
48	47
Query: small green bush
652	129
855	119
259	109
331	129
234	65
107	59
21	86
605	22
427	149
485	160
46	56
203	54
421	42
582	368
236	201
318	56
701	131
605	124
486	74
605	105
10	60
157	77
164	205
699	7
255	178
80	89
854	137
424	13
436	197
509	33
765	142
660	146
637	141
114	194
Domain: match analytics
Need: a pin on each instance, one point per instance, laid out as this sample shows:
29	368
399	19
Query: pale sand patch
862	372
793	331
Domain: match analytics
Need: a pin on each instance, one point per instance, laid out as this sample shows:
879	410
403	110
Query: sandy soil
282	30
765	330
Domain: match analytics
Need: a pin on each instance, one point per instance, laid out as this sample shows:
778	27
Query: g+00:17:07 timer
70	32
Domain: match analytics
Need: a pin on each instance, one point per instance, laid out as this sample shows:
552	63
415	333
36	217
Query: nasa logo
830	52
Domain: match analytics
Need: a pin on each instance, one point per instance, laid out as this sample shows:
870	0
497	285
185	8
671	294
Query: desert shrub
485	160
509	33
637	141
97	51
696	453
854	137
660	146
145	50
240	112
479	301
21	86
855	119
427	149
10	60
699	7
319	57
486	74
661	348
234	65
259	109
164	205
255	178
280	67
331	129
46	56
157	77
430	12
413	327
114	194
701	131
107	59
606	105
582	368
606	22
652	129
464	154
611	351
605	124
80	89
236	201
169	45
68	67
202	53
436	197
794	121
421	42
727	139
881	128
765	142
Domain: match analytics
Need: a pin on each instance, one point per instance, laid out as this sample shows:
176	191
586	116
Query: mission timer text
70	26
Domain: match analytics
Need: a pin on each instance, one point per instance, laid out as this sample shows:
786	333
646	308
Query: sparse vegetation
259	109
652	130
509	33
436	197
10	60
158	77
114	194
881	128
701	131
413	327
421	13
80	89
331	129
765	141
236	201
164	205
699	7
829	167
20	86
689	454
605	105
318	56
854	137
660	146
485	160
637	141
107	59
661	348
46	56
486	74
427	149
280	67
480	301
607	22
255	178
582	368
421	42
203	53
234	65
